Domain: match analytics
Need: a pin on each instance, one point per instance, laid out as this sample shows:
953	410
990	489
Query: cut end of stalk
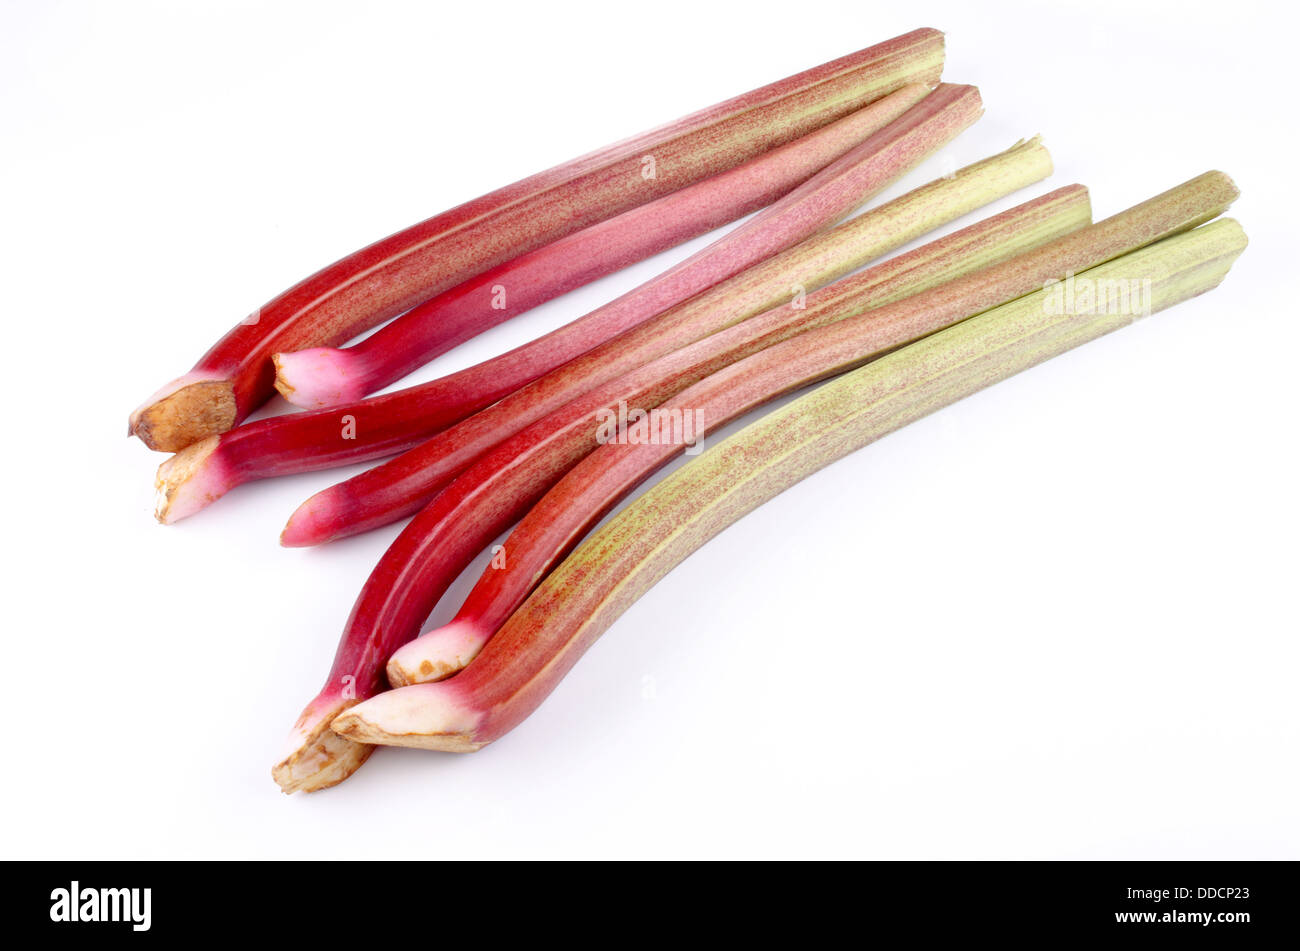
183	412
436	655
1215	185
310	524
1034	145
191	480
319	377
1226	179
318	757
425	716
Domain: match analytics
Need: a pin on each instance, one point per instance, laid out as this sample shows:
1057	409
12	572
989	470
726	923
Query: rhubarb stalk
327	376
575	604
392	275
305	441
441	540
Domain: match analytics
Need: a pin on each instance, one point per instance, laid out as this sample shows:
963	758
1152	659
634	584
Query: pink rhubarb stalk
595	485
327	376
358	431
542	641
391	276
497	489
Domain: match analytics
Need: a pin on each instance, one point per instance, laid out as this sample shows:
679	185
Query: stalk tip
190	481
437	654
310	522
319	377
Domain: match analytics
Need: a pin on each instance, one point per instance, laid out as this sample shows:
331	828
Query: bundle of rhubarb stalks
550	437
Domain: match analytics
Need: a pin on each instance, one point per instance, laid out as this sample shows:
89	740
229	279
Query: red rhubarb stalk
401	486
300	442
328	376
445	536
393	275
574	605
830	343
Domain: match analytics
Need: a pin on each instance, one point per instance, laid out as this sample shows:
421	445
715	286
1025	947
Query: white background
1057	620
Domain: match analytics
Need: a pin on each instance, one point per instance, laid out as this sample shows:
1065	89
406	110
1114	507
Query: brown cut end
361	731
178	419
325	759
283	386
